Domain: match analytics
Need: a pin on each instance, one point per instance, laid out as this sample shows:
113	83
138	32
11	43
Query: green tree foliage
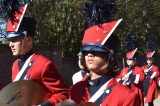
141	17
61	22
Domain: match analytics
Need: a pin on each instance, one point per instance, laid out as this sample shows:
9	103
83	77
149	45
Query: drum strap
23	69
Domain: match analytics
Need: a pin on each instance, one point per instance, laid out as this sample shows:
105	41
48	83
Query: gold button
98	40
105	31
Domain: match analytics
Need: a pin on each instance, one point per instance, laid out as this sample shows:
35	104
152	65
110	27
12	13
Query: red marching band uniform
43	71
150	87
119	95
96	82
132	76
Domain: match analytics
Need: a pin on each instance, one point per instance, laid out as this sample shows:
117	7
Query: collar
131	67
150	65
25	56
99	81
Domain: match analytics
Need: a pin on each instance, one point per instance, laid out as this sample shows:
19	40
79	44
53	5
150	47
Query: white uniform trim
127	75
25	7
99	92
137	78
77	77
109	34
152	76
23	69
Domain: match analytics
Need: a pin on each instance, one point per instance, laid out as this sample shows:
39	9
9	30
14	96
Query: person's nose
10	44
90	55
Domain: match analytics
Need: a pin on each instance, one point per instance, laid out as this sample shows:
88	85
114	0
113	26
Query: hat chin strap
109	57
23	46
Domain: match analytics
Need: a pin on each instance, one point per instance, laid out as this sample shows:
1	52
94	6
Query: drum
23	93
69	102
87	104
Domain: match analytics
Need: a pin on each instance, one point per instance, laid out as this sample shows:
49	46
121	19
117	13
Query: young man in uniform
31	65
96	83
151	71
99	86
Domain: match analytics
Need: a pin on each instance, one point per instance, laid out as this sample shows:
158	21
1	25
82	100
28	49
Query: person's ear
27	38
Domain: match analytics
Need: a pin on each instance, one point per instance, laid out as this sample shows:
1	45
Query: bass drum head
23	93
87	104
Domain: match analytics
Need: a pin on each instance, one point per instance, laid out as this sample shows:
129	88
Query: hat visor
15	34
94	48
12	34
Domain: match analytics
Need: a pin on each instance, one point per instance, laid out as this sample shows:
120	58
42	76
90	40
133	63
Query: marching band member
99	46
152	72
132	75
158	81
31	65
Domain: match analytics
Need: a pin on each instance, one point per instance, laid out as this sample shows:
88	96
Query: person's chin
15	54
94	70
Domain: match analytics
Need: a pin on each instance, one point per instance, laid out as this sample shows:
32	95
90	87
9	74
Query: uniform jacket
152	88
43	71
135	86
120	95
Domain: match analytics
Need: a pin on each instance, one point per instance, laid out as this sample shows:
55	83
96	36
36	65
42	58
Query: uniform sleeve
54	82
132	100
156	71
77	77
139	74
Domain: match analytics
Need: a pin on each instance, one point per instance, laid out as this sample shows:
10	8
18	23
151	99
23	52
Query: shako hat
99	36
130	46
150	49
12	12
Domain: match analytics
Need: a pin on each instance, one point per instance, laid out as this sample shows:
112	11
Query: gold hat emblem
105	31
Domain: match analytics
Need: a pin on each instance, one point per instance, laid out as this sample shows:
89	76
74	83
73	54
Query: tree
59	23
141	18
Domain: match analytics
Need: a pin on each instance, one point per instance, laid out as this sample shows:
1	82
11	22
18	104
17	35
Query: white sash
23	68
127	75
150	68
154	73
99	92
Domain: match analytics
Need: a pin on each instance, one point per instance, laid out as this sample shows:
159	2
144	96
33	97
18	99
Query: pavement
156	101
